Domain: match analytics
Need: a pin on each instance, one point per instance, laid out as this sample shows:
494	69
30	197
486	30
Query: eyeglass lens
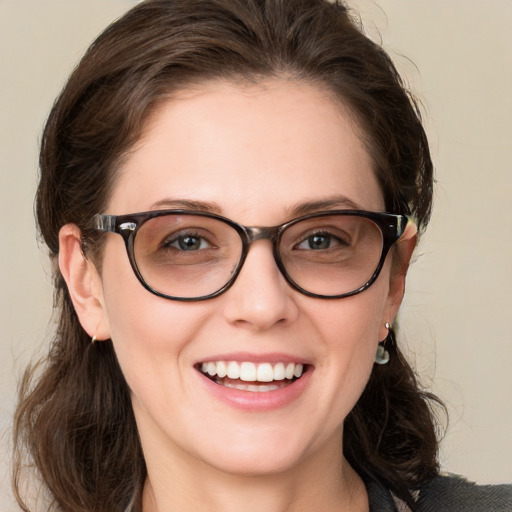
187	256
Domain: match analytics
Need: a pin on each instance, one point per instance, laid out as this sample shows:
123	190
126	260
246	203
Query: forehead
248	148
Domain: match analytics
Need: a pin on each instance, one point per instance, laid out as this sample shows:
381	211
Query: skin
241	148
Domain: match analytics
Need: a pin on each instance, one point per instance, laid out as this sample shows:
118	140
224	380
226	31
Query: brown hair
74	417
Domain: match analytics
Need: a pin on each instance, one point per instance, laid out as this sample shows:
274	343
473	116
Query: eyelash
167	243
324	233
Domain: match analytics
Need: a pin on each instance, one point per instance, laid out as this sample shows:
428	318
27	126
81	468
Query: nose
260	297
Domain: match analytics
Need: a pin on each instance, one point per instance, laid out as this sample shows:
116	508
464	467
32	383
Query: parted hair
74	423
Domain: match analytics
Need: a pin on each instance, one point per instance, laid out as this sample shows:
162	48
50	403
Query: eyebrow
295	210
186	204
330	203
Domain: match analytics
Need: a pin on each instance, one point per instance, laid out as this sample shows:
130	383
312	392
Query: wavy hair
74	420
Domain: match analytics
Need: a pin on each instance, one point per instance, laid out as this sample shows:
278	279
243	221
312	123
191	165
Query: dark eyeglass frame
391	226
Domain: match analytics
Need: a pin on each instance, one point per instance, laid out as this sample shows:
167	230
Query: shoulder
452	493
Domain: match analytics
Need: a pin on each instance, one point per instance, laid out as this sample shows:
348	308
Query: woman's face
254	154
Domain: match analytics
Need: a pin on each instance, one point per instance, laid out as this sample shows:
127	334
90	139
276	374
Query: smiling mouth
248	376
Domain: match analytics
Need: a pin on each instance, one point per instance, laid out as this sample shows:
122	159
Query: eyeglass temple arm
104	222
407	227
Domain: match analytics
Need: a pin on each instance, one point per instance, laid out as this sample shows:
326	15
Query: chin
255	465
258	453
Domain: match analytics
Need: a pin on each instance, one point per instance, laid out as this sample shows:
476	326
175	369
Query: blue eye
320	241
187	242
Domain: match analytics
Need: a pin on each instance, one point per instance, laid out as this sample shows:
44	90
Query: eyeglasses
190	256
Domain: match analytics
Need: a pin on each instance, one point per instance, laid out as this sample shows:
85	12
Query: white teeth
265	373
212	369
251	372
233	370
222	369
248	372
252	387
289	371
279	373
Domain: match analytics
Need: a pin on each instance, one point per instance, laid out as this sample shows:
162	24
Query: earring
382	355
94	339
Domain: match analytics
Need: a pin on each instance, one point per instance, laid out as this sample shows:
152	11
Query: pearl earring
382	355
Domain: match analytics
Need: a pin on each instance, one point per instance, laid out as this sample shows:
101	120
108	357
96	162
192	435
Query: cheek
150	334
350	329
353	324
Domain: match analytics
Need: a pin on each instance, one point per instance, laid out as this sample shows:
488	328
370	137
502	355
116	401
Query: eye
320	241
186	242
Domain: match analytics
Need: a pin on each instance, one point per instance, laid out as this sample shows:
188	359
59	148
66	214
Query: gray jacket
445	494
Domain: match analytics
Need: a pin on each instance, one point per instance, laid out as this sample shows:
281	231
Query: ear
402	253
84	283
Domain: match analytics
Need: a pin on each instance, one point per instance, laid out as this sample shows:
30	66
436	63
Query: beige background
456	319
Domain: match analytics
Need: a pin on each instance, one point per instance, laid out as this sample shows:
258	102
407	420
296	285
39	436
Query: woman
213	178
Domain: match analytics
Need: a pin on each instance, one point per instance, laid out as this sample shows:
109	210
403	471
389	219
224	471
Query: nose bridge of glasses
255	233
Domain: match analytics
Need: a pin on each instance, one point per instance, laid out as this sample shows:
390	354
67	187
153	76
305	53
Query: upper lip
269	357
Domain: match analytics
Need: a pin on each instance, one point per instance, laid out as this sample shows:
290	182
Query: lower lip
258	401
